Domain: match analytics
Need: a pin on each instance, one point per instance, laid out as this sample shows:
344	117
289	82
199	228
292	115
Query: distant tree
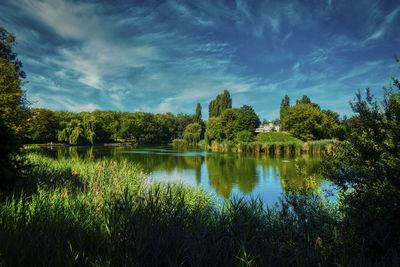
230	123
43	126
219	104
106	125
308	122
244	137
248	119
304	100
214	130
183	120
192	133
78	132
168	126
285	105
198	113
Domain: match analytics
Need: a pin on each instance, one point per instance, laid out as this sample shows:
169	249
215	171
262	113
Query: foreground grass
105	213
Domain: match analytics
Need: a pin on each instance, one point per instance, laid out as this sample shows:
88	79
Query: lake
224	174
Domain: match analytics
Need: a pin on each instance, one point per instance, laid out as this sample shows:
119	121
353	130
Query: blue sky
166	56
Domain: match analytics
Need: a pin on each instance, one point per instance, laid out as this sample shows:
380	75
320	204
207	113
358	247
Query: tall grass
318	146
107	213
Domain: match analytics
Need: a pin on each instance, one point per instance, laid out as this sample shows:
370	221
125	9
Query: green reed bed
287	147
318	146
107	213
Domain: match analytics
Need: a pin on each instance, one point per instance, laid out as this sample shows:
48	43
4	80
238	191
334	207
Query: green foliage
219	104
192	133
367	169
13	109
304	100
308	122
7	42
78	132
244	137
183	120
42	126
230	123
214	130
248	119
285	105
198	113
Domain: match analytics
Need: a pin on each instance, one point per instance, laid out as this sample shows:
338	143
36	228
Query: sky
167	56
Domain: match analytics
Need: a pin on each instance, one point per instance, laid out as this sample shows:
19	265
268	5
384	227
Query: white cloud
384	26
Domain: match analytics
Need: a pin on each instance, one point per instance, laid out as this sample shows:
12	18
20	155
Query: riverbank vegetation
105	212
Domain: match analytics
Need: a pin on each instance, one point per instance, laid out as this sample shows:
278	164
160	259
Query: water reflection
224	173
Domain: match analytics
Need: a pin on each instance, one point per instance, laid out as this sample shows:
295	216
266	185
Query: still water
223	174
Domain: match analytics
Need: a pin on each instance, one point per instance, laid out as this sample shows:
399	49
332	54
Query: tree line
105	126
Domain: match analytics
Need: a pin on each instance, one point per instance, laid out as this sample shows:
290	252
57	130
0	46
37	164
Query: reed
273	148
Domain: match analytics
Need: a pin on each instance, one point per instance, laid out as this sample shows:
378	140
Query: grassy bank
272	137
106	213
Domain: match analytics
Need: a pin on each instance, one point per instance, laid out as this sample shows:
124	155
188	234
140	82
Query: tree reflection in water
223	172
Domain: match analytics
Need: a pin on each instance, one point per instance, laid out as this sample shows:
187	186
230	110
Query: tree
198	113
42	126
308	122
214	130
7	41
304	100
230	123
367	169
219	104
303	121
244	137
78	132
248	118
183	120
285	105
192	133
13	109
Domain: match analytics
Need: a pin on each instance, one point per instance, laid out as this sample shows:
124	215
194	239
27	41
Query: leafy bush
244	137
367	169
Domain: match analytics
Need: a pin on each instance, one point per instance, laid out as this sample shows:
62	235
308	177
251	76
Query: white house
268	127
